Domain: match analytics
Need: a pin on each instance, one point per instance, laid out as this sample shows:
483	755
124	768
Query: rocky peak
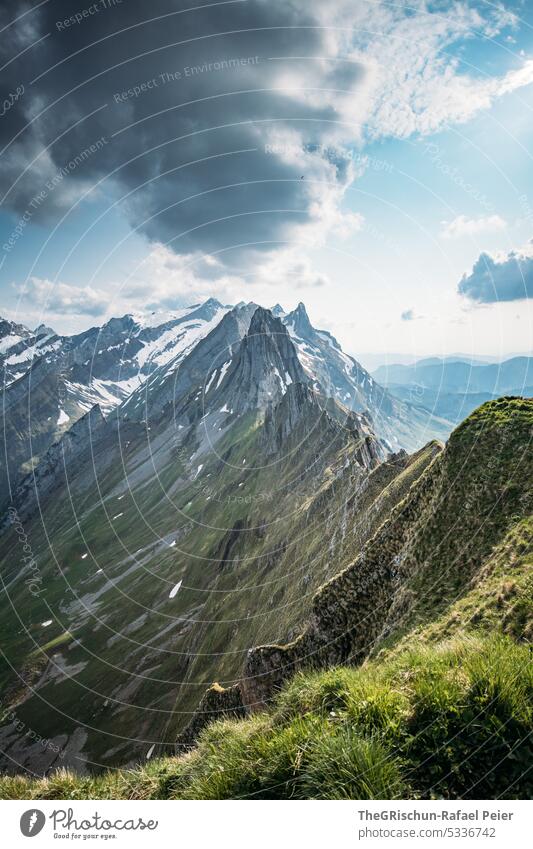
299	320
265	366
44	330
11	328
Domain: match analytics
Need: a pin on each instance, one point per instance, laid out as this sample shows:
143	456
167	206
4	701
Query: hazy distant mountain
509	377
372	361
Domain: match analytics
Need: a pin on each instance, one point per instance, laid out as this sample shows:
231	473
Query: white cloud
165	279
463	226
414	81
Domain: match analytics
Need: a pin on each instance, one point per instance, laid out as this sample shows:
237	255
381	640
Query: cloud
410	315
64	299
221	123
463	226
504	278
165	279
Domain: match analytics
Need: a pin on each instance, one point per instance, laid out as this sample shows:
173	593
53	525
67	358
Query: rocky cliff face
197	373
52	471
264	367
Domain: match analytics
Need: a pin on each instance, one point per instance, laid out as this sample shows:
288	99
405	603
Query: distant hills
453	388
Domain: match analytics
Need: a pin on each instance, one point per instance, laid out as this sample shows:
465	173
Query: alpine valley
222	494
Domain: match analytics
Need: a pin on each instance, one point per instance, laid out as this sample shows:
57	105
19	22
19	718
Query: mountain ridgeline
248	513
138	366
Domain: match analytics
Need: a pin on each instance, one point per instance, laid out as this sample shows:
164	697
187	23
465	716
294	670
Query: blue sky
398	170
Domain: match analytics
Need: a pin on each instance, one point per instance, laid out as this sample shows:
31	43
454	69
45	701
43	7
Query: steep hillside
424	557
451	721
442	705
163	551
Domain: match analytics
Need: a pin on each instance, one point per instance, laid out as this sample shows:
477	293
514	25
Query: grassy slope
444	721
442	710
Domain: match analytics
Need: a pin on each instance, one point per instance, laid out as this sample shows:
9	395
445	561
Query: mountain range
140	365
452	388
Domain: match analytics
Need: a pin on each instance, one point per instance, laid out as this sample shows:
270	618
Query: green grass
442	710
447	720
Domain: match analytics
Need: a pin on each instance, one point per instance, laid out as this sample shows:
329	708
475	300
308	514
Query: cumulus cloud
500	278
63	298
224	125
170	280
464	226
409	315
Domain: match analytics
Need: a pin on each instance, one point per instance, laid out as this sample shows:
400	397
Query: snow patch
210	381
223	371
175	589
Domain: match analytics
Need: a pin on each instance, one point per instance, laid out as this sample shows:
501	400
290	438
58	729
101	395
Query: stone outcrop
217	703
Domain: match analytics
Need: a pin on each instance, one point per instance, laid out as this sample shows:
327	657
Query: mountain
62	377
452	389
373	361
409	675
162	549
510	376
141	366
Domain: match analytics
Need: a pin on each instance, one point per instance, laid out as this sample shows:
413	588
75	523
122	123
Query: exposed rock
50	471
217	703
265	366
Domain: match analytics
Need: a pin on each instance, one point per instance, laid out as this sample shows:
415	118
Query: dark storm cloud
492	280
187	102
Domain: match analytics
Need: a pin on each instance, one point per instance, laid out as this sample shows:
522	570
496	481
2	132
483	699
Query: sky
371	159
